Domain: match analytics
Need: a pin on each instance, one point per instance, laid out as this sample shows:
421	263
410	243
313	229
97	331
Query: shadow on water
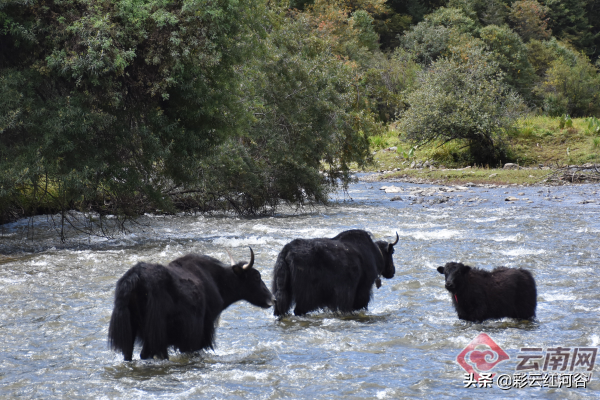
5	259
495	326
143	370
180	363
319	319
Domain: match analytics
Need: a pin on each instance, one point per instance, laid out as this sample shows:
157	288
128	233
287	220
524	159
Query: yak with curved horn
336	274
177	304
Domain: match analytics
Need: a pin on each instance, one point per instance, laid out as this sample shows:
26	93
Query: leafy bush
453	18
575	22
528	18
378	142
565	121
125	107
440	30
593	126
508	50
427	42
452	154
386	80
363	23
541	54
117	99
309	126
466	100
571	88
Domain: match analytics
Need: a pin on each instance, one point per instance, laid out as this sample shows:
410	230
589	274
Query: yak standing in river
177	305
478	295
337	273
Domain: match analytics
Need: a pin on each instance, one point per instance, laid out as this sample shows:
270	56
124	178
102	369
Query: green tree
310	124
454	18
528	18
571	88
417	9
542	53
387	81
463	99
438	33
569	22
108	103
508	50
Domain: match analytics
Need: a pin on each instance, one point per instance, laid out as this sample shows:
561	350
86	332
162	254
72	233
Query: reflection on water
57	299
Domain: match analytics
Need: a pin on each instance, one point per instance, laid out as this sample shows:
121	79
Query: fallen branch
588	173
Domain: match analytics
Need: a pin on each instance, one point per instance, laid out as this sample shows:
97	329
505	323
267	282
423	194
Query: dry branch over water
576	174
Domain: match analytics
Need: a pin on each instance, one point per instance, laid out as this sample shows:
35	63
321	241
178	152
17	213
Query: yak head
250	285
454	274
387	250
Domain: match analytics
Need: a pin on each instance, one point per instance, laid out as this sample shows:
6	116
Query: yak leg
362	297
155	347
128	352
478	314
298	310
161	354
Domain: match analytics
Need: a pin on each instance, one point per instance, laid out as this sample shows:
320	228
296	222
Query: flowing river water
56	300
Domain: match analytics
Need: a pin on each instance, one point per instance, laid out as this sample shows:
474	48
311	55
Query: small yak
177	305
337	273
478	295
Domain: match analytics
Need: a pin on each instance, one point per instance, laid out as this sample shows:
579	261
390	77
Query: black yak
478	295
337	273
177	305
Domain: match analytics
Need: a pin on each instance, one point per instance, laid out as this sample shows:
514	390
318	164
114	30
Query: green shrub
378	142
464	100
571	88
565	121
386	80
453	18
509	51
452	154
593	126
528	17
434	37
527	131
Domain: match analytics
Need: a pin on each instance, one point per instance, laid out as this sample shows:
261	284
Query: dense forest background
130	106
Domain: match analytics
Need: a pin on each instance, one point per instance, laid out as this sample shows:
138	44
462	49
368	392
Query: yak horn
231	258
397	238
251	263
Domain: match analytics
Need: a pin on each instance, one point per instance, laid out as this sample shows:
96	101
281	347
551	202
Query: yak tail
121	336
281	286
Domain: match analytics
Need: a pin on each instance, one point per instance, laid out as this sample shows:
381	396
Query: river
56	300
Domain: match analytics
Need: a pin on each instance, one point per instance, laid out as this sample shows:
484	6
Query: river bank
511	174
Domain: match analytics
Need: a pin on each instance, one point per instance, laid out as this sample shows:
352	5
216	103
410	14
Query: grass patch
535	140
495	176
541	140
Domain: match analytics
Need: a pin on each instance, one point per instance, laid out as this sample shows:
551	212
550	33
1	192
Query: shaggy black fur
337	273
478	295
177	305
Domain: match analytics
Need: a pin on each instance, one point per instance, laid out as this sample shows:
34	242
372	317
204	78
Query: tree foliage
310	124
459	99
132	106
569	21
507	49
116	99
571	88
528	18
